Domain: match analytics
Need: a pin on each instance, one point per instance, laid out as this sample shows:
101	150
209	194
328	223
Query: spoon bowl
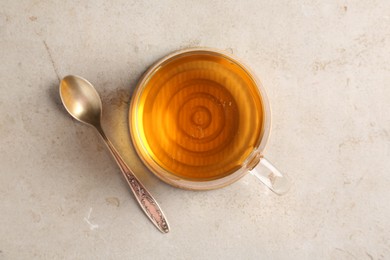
83	102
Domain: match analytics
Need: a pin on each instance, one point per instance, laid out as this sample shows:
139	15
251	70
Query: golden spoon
82	101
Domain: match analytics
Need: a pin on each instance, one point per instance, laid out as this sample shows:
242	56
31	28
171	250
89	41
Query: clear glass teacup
200	119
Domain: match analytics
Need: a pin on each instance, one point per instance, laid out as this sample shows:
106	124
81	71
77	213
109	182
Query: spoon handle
144	198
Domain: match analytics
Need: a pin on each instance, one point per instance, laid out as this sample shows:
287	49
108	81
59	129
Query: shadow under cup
199	119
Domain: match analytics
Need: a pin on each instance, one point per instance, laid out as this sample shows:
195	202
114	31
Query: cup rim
206	184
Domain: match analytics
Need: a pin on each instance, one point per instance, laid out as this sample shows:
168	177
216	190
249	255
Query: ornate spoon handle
144	198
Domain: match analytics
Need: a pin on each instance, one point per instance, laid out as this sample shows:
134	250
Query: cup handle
268	174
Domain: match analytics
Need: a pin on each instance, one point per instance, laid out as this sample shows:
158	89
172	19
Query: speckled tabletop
326	67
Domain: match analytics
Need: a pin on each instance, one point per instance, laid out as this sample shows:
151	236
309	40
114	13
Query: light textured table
326	66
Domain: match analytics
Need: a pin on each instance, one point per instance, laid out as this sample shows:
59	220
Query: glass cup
199	119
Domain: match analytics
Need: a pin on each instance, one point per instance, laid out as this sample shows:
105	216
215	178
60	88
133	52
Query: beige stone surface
326	66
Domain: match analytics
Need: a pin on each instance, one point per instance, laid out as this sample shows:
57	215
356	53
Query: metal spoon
82	101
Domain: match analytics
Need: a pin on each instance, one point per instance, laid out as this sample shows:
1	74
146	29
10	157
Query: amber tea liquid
198	116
